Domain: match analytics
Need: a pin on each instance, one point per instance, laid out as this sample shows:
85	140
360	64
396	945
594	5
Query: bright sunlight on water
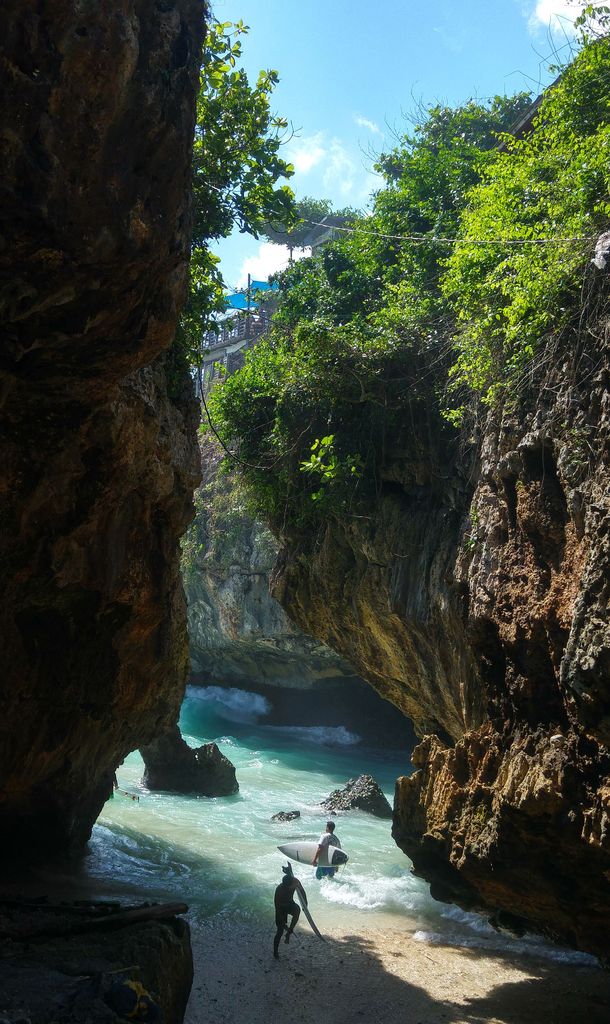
221	857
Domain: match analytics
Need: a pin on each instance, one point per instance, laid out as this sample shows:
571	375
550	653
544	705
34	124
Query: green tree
293	234
307	213
551	188
236	168
428	302
356	326
593	21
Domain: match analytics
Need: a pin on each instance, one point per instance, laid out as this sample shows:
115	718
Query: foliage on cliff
553	184
307	213
428	303
236	167
222	516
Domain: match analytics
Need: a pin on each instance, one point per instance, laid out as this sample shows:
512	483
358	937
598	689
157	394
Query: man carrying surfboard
286	907
328	838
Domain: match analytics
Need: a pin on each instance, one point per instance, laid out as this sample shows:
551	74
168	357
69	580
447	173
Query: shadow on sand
383	979
391	980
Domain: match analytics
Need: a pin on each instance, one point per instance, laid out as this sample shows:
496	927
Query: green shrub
552	184
375	335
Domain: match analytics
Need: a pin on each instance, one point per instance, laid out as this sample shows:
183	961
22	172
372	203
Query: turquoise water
220	855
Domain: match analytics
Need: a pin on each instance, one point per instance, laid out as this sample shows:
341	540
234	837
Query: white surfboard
312	923
303	901
305	851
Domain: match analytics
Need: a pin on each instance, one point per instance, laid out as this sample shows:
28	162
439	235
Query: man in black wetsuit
285	907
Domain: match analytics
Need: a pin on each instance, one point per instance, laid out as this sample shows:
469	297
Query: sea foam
321	735
472	931
375	892
495	942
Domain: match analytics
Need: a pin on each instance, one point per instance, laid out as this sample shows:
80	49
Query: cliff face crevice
480	609
98	421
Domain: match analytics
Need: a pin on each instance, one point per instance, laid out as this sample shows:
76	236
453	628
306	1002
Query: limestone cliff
98	423
475	597
240	636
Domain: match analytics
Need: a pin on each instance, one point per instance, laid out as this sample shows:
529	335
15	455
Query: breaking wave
231	703
374	892
320	735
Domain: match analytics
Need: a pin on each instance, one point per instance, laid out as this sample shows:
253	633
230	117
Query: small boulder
285	816
170	764
217	770
362	794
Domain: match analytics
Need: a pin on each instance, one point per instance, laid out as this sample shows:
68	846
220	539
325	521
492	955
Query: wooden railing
250	326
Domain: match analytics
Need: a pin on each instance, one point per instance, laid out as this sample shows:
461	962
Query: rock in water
172	765
362	794
219	771
285	816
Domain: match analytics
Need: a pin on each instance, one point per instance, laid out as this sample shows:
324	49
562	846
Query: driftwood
79	908
100	920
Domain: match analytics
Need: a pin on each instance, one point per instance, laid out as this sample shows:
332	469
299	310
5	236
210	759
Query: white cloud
363	122
306	153
345	177
554	14
269	259
335	170
340	172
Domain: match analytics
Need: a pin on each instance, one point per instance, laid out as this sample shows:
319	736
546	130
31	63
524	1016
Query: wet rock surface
67	977
361	794
285	816
170	764
98	423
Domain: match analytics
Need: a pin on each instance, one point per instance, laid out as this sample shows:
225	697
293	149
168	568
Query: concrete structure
223	353
328	230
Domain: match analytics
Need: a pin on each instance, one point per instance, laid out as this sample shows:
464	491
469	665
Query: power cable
233	455
436	240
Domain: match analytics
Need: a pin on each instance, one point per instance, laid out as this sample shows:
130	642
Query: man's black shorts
281	913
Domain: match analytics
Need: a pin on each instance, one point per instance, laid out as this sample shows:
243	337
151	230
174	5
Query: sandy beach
382	976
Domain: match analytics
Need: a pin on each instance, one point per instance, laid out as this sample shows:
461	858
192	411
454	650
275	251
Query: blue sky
351	70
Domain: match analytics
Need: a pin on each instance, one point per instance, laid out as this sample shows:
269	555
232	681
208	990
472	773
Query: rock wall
170	764
241	637
66	973
475	598
381	589
98	422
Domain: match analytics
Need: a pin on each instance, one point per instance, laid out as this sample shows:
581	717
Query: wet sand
383	978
